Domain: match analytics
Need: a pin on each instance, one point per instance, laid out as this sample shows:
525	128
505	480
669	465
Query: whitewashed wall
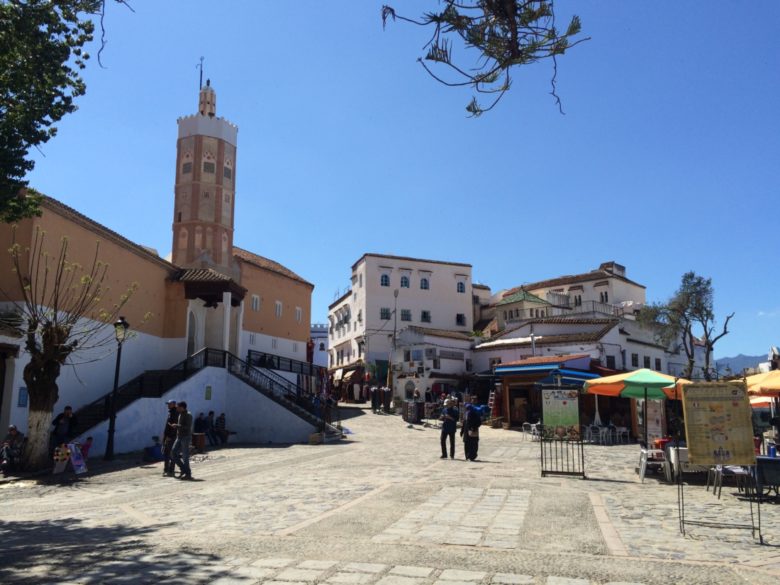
255	418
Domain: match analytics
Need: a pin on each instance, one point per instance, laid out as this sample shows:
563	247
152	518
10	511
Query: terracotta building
210	293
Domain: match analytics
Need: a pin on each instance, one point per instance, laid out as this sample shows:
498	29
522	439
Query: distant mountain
738	363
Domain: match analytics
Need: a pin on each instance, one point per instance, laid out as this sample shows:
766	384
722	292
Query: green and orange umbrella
643	384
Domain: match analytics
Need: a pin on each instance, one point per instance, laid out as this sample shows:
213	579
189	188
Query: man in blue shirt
449	418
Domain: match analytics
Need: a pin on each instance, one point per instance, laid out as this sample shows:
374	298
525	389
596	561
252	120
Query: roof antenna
200	66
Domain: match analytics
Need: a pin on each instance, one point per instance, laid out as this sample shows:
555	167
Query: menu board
560	408
655	419
718	424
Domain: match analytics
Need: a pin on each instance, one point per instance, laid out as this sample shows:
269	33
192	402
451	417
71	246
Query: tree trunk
707	360
36	453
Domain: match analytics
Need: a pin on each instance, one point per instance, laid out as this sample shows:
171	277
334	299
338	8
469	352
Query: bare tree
688	318
60	313
504	33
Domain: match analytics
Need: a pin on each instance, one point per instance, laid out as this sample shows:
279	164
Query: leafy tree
688	317
505	34
60	313
41	58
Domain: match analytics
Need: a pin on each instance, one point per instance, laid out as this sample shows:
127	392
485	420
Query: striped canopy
640	384
766	384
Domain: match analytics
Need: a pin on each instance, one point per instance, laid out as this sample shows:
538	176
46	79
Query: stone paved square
380	507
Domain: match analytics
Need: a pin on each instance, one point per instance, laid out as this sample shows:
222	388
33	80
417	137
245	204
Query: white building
319	337
390	293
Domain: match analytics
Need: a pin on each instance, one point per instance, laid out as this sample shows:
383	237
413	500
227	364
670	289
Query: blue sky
667	159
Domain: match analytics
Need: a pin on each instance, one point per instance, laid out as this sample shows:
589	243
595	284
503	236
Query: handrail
258	379
154	383
276	362
291	386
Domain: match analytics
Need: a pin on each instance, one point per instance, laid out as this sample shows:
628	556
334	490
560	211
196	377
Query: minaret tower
205	188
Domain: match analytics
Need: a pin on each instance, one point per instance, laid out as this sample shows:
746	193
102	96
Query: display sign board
655	419
560	408
718	424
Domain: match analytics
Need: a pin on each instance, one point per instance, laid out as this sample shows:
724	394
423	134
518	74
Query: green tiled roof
521	295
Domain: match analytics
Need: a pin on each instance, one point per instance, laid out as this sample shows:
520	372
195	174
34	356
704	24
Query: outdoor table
767	474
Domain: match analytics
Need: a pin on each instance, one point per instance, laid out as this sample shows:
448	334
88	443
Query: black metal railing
276	362
562	451
150	384
283	392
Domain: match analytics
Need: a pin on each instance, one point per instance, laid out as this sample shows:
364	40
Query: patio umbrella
643	384
766	384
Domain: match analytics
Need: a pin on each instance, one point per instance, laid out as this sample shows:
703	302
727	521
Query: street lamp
120	331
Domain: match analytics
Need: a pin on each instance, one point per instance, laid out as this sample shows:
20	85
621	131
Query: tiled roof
547	359
544	340
407	258
559	321
572	279
67	211
267	264
201	275
440	333
520	296
482	286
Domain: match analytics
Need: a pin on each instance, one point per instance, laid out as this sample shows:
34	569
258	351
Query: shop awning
569	377
520	370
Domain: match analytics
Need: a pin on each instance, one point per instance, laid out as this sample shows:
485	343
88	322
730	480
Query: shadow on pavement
65	550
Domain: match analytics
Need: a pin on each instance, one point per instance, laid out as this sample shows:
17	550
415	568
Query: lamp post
120	331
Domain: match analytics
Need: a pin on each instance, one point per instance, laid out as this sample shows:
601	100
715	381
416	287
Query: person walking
181	446
169	437
220	428
470	432
11	450
449	418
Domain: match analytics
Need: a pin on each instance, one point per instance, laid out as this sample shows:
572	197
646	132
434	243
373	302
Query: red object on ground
662	443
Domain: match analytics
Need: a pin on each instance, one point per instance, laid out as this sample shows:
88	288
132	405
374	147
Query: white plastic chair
651	457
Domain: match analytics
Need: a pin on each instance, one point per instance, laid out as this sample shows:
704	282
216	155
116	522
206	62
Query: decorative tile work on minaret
205	188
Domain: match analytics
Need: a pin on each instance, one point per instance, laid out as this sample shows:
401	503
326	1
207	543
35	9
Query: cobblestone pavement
380	508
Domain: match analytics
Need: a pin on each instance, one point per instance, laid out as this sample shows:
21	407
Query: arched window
461	287
404	282
425	284
384	280
322	347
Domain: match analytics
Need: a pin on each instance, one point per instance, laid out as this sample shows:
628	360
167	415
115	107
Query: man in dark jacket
181	446
64	424
470	432
449	418
169	436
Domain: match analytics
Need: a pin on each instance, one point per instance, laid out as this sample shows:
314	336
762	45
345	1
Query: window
404	282
186	168
406	315
322	346
577	300
646	362
407	355
460	319
178	216
298	314
209	167
504	315
360	316
227	172
425	284
255	303
657	364
384	313
278	309
295	347
604	297
252	339
425	316
634	360
273	343
384	280
495	361
436	364
360	280
469	365
611	362
461	287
